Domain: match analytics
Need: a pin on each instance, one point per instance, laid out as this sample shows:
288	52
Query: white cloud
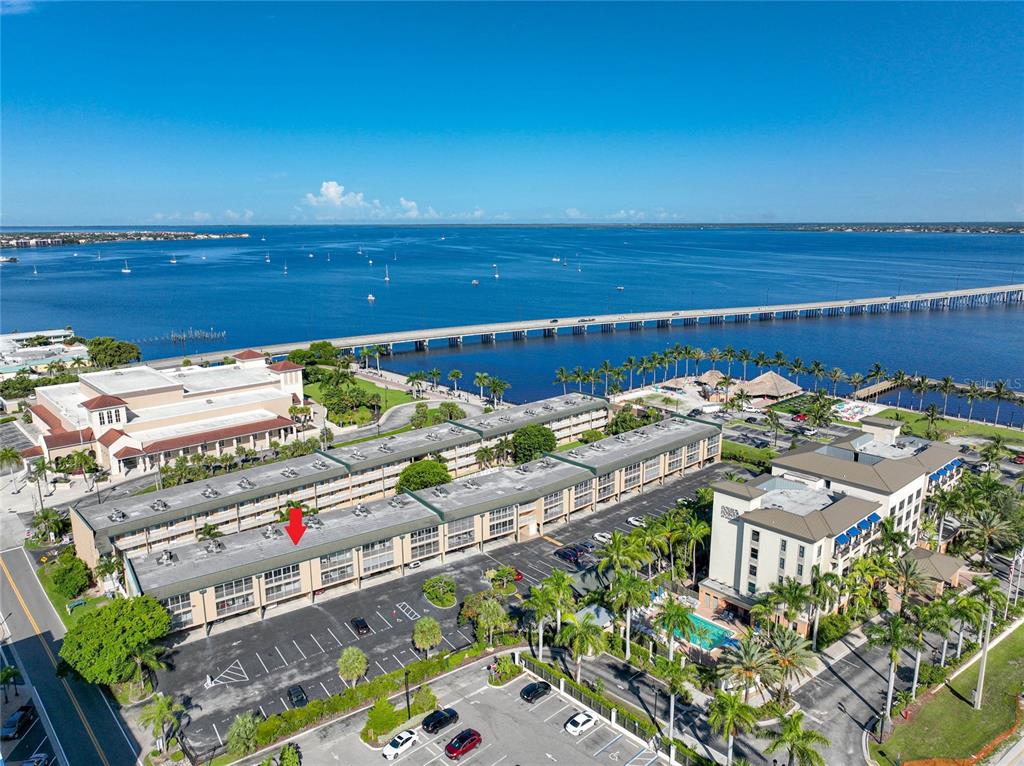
200	216
232	215
503	216
572	212
475	214
409	208
333	194
629	215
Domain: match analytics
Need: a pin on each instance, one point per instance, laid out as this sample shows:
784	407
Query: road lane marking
281	655
215	731
334	636
298	647
262	663
407	610
53	661
316	642
385	620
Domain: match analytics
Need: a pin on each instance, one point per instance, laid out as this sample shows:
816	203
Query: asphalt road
87	725
253	662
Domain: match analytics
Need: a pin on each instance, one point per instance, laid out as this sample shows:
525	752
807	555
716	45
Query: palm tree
967	610
583	636
899	380
618	554
628	592
906	579
761	361
747	662
352	664
485	456
744	357
877	374
1001	392
542	604
715	356
162	712
856	380
991	595
728	716
630	365
9	676
927	618
779	360
791	656
676	619
147	657
729	355
835	375
972	394
694	530
920	386
605	370
559	585
455	376
208	532
481	380
946	386
563	377
817	369
109	566
793	596
896	635
48	522
825	592
775	424
796	369
697	356
498	388
798	742
10	458
987	527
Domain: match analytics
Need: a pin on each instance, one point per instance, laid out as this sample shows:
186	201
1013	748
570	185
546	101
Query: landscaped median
946	730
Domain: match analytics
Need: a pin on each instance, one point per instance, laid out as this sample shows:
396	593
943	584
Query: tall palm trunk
728	758
814	637
887	714
917	673
960	640
984	660
629	621
945	645
671	695
540	639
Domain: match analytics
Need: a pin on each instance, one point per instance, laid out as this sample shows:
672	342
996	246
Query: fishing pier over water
946	300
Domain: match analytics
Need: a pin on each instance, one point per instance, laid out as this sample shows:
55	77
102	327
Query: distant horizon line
501	224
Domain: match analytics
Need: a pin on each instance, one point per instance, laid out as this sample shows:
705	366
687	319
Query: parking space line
637	755
385	620
334	636
608	744
379	666
316	642
354	635
215	731
262	663
398	660
468	641
500	760
299	648
445	638
325	689
556	713
283	703
262	711
595	730
281	655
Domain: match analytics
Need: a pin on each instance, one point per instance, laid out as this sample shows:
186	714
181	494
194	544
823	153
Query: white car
636	521
579	723
401	743
603	537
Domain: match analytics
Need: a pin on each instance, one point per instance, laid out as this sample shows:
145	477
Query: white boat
494	265
286	268
620	288
370	298
126	270
497	275
475	282
442	237
35	271
263	239
311	255
360	251
8	259
202	258
555	259
266	258
174	259
328	257
74	255
371	261
387	277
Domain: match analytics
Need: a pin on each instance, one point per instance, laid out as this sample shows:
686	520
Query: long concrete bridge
946	300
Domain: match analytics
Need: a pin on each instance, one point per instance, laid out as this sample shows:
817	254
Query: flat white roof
128	380
198	405
206	379
198	426
66	399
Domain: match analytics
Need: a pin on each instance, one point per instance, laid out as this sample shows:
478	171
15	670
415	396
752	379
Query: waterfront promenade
946	300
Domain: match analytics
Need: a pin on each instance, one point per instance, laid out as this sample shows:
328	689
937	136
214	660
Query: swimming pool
716	635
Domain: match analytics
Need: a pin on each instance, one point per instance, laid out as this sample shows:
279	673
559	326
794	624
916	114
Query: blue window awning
842	539
958	462
853	531
874	518
934	477
864	524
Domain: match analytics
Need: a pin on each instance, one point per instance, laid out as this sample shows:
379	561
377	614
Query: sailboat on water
286	268
266	258
174	259
35	271
125	269
387	277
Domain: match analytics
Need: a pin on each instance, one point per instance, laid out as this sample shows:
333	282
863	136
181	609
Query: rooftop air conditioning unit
118	515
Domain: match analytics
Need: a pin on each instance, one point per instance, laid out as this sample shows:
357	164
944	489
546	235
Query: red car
462	743
800	417
1019	460
519	575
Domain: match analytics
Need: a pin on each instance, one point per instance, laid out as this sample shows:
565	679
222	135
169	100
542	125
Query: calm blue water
232	289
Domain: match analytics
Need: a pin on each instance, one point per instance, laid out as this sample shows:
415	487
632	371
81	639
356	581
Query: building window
753	553
117	416
755	536
799	570
800	552
461	532
335	567
692	453
675	460
582	494
552	505
782	562
631	476
233	596
752	569
180	608
283	582
780	578
605	486
652	468
424	542
751	587
501	521
377	556
713	446
782	546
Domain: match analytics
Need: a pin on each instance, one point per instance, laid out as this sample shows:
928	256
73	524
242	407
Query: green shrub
532	441
440	590
70	576
831	628
931	675
424	700
471	605
381	719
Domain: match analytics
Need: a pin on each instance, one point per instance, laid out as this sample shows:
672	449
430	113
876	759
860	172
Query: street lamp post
408	705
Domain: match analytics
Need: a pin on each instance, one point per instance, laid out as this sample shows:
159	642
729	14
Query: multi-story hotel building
142	418
819	510
360	473
346	549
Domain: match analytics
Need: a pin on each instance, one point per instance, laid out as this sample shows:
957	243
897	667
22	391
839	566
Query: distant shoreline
18	239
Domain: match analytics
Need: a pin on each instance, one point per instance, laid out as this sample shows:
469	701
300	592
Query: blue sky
277	113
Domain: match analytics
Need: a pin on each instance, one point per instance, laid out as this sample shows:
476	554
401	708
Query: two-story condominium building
335	478
142	418
818	510
345	549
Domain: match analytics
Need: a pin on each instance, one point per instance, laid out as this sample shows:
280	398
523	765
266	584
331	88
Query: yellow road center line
53	660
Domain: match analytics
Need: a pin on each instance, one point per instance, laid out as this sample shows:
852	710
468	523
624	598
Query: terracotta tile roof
103	401
217	434
284	366
295	399
124	452
32	452
111	436
68	438
247	354
51	420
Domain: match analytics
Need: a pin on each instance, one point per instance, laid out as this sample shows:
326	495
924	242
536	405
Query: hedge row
281	725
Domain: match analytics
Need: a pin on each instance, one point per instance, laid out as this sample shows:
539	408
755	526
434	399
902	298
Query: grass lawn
947	726
568	446
745	454
796	404
59	601
401	430
919	424
394	397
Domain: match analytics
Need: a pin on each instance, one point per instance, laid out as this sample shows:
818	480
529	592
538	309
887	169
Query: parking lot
513	732
251	665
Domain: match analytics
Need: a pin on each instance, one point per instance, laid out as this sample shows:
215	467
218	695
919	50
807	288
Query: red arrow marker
295	528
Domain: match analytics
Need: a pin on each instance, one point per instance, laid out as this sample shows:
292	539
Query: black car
536	690
568	555
360	626
17	723
440	719
694	413
297	696
586	545
752	419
